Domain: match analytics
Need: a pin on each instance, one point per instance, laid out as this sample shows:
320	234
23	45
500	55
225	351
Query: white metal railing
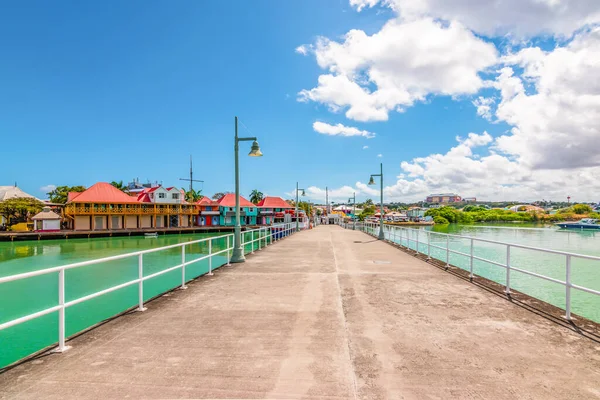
264	236
400	235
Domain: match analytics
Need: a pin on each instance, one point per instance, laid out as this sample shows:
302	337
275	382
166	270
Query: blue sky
101	91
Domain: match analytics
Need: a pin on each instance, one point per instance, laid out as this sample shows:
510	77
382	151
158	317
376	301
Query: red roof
229	201
274	202
103	192
72	195
206	201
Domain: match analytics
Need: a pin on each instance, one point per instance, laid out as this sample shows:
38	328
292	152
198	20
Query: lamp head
303	193
255	150
371	181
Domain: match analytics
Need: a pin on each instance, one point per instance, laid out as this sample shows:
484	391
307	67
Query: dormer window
161	196
152	195
175	196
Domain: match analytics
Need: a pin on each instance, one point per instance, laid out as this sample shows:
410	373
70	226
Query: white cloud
365	147
499	17
340	130
557	125
549	97
379	155
484	107
303	49
405	62
47	188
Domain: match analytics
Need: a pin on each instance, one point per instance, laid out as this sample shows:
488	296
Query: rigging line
244	125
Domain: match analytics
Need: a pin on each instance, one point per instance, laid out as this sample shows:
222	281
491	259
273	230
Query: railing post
507	291
471	276
252	242
568	289
428	245
417	233
183	267
447	251
141	284
61	313
228	253
210	256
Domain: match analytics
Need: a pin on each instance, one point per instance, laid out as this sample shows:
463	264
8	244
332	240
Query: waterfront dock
327	313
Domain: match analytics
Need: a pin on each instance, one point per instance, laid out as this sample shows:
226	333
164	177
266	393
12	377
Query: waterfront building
46	221
12	192
443	198
416	213
208	212
248	211
104	207
274	209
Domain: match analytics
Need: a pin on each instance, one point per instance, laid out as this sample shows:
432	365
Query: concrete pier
325	314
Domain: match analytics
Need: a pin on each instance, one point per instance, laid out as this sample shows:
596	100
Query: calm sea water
584	272
19	298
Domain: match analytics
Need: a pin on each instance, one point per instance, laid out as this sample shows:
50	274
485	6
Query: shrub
581	209
439	220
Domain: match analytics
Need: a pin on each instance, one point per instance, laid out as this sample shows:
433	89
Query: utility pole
327	200
191	179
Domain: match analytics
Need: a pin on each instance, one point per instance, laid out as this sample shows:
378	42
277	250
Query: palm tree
119	185
192	196
256	196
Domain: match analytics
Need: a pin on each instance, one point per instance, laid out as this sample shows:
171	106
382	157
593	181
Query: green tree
582	209
120	185
368	202
192	196
218	195
305	206
20	208
256	196
61	193
439	220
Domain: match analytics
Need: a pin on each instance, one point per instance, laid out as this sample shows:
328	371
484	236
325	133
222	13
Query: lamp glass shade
371	181
255	150
303	194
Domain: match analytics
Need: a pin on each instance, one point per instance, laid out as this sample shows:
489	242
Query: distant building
46	221
443	198
470	199
274	209
208	212
12	192
416	213
248	211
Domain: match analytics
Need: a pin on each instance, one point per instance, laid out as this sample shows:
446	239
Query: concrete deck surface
326	314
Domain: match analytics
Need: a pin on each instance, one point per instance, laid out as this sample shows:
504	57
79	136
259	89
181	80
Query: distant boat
151	235
586	223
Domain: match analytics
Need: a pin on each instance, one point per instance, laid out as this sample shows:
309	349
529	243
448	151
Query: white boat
151	235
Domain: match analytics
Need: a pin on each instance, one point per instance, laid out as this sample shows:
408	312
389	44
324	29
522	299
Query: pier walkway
325	314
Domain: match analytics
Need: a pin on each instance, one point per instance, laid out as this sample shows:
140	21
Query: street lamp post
237	255
372	182
296	211
353	198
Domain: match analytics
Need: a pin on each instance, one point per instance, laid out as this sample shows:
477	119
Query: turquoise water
23	297
584	272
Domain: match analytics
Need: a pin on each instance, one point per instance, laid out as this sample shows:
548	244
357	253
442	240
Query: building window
175	196
152	195
208	208
161	196
252	210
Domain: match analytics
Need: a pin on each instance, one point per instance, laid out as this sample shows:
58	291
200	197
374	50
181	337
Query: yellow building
104	207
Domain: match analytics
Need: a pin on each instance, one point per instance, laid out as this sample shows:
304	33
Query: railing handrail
560	252
567	282
50	270
273	233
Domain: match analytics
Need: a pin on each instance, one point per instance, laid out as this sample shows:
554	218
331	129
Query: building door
99	223
114	223
208	221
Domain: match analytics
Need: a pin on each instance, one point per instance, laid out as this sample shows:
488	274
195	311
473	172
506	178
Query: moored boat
586	223
151	235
